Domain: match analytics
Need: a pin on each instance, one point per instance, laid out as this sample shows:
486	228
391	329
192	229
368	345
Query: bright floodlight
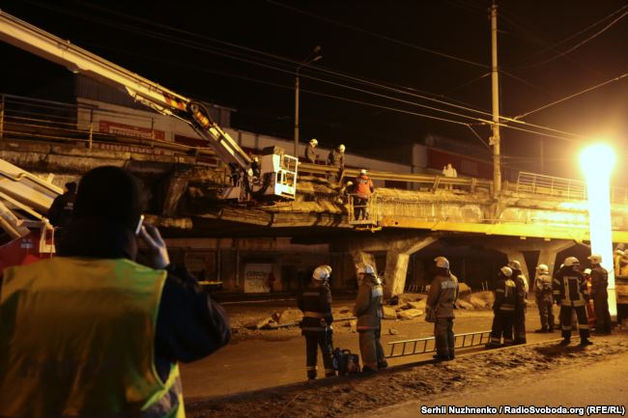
597	162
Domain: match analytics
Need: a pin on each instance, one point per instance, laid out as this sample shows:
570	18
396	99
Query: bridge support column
396	271
397	258
548	252
398	252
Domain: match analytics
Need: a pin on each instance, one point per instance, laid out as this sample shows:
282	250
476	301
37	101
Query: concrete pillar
397	259
396	271
550	251
175	186
363	257
398	249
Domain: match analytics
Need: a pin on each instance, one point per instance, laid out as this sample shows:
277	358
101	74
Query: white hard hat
341	148
571	261
542	268
514	264
595	258
587	272
442	262
349	183
365	269
313	141
363	171
321	273
506	271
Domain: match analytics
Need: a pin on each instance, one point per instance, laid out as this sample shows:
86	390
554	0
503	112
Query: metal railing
427	345
562	187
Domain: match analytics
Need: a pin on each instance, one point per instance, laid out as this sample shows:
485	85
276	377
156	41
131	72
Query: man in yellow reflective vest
93	333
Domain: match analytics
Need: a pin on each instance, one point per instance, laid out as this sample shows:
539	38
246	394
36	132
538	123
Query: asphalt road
278	357
603	383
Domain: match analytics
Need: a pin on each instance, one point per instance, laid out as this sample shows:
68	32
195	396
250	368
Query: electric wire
578	45
376	35
523	115
205	48
290	61
582	31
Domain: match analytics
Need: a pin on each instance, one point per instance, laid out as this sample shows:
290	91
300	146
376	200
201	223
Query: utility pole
313	57
296	114
495	138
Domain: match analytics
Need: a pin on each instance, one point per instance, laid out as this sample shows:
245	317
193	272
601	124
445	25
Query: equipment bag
345	362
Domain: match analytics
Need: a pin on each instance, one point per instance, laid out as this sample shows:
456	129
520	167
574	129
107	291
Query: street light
597	162
313	57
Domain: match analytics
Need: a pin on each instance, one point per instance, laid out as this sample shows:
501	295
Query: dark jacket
60	212
505	294
336	158
190	325
310	154
599	282
315	303
443	294
368	304
522	287
570	287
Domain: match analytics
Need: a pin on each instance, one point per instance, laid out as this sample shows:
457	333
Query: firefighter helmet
571	261
341	148
314	141
595	258
587	272
514	264
321	273
506	271
542	269
365	269
442	262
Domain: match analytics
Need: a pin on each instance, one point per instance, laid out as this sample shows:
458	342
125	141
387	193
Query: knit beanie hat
110	193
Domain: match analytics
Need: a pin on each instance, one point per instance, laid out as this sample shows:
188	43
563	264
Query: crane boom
41	43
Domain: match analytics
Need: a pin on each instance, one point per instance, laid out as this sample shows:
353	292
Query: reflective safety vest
77	338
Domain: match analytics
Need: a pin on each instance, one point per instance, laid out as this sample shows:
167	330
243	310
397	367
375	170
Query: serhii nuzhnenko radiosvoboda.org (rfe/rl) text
526	410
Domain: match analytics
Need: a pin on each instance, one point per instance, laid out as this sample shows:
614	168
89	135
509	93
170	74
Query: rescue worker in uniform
336	158
521	282
599	294
310	152
316	326
368	309
503	308
92	333
570	292
441	298
544	298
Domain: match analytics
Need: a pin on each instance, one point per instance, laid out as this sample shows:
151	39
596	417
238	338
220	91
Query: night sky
381	62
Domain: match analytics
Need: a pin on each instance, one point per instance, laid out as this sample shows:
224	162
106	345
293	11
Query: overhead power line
523	115
578	45
377	35
242	57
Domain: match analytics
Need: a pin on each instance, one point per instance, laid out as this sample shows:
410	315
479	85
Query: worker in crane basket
93	332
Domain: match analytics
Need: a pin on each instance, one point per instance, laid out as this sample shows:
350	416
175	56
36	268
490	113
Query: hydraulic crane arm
41	43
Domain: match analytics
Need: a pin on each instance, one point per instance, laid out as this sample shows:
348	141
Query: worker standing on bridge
520	306
599	293
336	158
310	152
368	309
316	326
503	308
364	188
544	298
93	333
570	292
440	299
